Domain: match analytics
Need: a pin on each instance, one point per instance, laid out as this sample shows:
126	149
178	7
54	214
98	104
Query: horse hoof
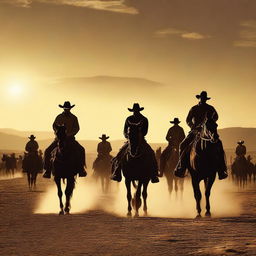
61	212
67	211
136	215
198	216
208	214
129	214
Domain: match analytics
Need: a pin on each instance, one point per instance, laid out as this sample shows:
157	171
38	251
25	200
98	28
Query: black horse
65	166
138	164
204	162
102	170
10	164
32	164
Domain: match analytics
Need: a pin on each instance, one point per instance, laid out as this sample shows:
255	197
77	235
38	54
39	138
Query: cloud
247	34
181	33
242	43
18	3
194	36
119	6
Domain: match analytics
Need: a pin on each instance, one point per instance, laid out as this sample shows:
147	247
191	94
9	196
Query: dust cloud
11	176
88	196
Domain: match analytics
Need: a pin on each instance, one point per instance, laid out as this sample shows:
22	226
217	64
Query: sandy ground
27	229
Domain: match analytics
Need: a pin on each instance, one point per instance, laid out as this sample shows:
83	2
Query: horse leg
138	199
129	196
145	195
102	184
176	187
34	178
208	186
169	179
197	195
28	176
68	192
58	183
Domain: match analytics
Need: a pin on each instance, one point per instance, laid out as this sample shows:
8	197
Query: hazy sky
105	55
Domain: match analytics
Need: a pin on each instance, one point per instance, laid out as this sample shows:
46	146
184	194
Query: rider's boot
154	179
222	173
82	172
116	172
180	169
47	174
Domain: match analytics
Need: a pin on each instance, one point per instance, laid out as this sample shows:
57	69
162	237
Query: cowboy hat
136	107
202	95
175	121
31	137
66	105
104	137
240	142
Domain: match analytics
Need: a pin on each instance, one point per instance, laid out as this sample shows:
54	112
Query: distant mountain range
14	140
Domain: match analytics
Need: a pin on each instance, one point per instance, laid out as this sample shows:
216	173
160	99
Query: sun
15	89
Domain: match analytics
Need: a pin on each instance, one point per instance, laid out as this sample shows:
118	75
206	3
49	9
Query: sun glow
15	89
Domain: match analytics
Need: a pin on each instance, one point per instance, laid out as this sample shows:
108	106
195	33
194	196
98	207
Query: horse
168	172
10	164
102	170
138	165
240	170
204	161
32	164
65	166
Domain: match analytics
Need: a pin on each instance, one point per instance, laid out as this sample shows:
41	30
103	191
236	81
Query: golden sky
105	55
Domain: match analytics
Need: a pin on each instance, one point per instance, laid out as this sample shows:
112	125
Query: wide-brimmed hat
136	107
203	95
175	121
31	137
240	142
66	105
104	137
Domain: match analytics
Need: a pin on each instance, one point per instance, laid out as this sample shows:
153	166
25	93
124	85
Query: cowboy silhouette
71	124
195	119
175	136
241	149
104	148
32	146
136	117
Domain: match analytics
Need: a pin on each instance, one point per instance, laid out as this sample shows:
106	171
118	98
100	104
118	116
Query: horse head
61	133
134	136
209	129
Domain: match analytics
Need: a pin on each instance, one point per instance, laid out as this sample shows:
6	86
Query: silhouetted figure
142	122
241	149
195	120
204	162
65	162
32	163
70	121
175	136
102	164
32	146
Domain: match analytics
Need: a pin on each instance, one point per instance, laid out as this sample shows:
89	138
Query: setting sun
15	89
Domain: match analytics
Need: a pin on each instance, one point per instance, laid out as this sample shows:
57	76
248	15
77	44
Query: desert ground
30	224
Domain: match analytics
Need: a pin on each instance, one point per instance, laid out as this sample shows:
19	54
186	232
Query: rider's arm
189	119
168	135
144	128
75	127
109	148
126	128
57	122
215	116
